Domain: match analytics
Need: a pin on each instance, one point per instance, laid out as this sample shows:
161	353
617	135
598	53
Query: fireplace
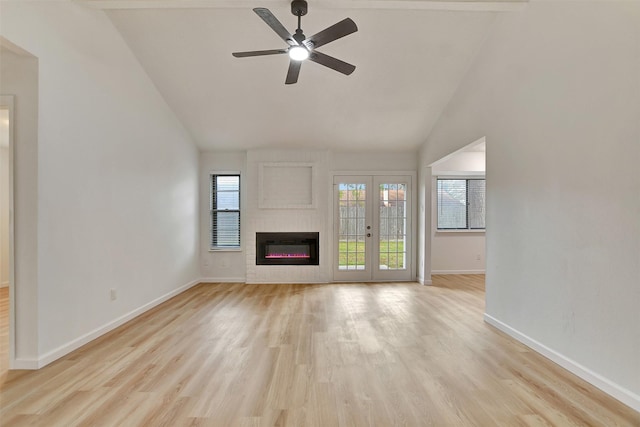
287	249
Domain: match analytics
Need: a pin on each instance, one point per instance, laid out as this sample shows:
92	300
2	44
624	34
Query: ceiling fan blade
294	71
275	25
258	53
331	62
334	32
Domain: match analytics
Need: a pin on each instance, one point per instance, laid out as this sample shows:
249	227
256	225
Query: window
225	211
461	204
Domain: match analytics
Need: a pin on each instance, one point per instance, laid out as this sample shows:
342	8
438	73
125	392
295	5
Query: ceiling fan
302	47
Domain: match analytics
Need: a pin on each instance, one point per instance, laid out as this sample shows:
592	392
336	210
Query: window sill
460	231
225	249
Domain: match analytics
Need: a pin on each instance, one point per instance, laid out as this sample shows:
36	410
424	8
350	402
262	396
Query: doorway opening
6	230
458	244
19	72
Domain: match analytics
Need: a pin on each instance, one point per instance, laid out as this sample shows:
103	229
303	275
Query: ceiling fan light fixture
298	53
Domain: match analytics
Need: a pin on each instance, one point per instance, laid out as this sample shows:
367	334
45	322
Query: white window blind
225	211
461	204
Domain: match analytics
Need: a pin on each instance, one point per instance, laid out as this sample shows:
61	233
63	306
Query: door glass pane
392	227
351	247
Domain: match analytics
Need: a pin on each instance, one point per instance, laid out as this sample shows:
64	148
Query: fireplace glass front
287	249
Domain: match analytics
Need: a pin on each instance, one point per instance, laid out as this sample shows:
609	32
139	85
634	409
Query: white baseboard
90	336
222	280
457	271
29	364
424	282
295	282
614	390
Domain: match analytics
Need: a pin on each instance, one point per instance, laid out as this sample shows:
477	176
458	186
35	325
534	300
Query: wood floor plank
343	355
4	331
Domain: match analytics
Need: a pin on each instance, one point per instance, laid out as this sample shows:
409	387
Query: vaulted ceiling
410	56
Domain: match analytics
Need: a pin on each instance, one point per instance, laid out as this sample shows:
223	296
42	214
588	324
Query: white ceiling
409	58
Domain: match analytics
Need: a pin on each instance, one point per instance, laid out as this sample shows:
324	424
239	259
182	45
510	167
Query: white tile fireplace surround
287	192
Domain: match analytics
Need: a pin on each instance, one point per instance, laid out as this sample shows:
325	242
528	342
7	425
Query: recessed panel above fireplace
287	249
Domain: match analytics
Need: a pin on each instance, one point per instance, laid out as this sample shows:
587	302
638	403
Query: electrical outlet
478	257
114	294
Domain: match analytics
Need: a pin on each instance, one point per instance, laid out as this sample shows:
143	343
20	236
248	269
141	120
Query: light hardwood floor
396	354
4	332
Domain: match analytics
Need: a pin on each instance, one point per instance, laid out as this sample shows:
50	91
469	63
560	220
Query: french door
372	226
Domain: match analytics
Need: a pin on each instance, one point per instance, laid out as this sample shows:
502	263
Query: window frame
212	230
465	178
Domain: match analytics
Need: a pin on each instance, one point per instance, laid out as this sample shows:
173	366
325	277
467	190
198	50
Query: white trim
8	102
614	390
444	231
442	272
274	204
90	336
25	364
294	282
424	282
476	6
412	216
356	173
241	192
460	175
222	280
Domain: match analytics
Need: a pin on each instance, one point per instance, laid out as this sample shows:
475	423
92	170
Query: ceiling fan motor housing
299	7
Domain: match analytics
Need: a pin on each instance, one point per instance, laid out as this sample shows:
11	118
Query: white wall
471	162
556	92
221	266
456	252
378	161
117	200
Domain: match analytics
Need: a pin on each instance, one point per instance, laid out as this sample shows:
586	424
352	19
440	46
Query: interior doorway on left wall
5	229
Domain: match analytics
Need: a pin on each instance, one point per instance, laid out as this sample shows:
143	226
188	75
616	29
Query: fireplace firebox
287	249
